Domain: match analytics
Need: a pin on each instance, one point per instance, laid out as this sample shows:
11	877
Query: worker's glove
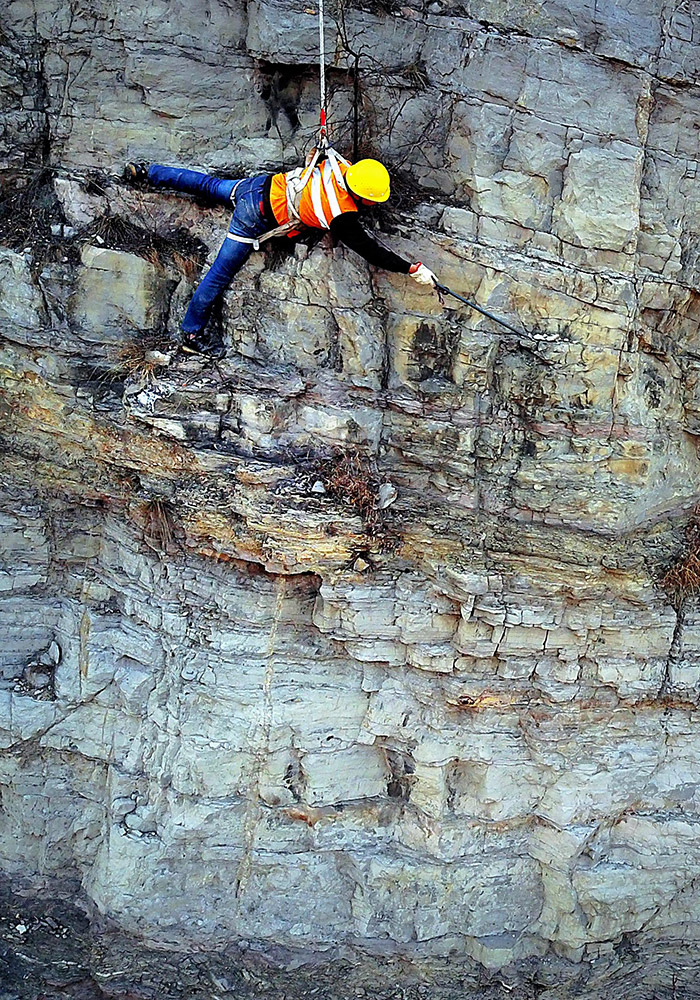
422	274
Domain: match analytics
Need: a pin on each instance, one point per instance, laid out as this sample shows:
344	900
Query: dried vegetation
682	579
31	217
179	249
157	518
141	358
28	209
351	477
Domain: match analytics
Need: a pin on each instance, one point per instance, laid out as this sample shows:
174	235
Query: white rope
322	48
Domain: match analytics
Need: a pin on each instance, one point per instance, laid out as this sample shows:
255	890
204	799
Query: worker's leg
214	190
248	221
229	260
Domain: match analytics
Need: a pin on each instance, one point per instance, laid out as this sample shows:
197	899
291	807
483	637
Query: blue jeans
247	220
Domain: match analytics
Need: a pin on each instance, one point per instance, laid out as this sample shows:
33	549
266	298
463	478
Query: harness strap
255	242
296	182
335	159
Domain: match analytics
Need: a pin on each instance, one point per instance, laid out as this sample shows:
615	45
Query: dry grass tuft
28	209
417	75
682	580
352	478
161	528
190	265
179	249
141	358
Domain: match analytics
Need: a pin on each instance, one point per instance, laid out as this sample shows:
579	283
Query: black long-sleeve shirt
348	230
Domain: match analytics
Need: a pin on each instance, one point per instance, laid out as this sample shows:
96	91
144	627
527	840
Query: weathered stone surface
21	305
239	707
599	202
117	291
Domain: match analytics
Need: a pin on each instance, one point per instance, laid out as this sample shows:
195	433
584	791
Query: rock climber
325	194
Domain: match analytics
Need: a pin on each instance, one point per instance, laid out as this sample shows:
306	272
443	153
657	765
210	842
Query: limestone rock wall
233	706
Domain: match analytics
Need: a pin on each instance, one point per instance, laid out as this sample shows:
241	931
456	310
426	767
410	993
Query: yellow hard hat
369	179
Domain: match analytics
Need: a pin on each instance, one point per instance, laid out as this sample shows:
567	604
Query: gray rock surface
236	707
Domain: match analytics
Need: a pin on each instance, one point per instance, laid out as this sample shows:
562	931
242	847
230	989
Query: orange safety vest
322	198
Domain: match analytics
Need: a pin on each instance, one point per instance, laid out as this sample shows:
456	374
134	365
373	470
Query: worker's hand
309	156
422	274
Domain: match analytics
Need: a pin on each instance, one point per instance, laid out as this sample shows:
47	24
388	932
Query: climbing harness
296	182
235	188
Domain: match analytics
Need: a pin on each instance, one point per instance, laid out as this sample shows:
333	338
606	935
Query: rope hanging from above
323	131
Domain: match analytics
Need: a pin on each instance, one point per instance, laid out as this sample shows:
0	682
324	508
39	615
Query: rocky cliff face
238	701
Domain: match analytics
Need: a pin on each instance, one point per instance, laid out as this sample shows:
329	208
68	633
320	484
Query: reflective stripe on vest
316	199
330	191
322	199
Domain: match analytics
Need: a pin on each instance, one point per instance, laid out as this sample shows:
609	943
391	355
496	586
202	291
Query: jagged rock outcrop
236	702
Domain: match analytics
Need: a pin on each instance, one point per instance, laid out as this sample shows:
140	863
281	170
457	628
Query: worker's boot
202	343
136	173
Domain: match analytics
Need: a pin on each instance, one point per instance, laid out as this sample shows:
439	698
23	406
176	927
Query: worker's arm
348	230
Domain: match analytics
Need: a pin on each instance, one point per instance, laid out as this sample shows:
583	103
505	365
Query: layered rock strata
232	707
